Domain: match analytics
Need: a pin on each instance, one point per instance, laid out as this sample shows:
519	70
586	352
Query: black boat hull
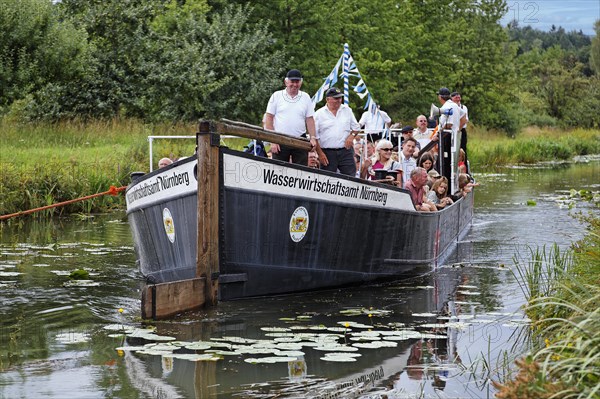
285	228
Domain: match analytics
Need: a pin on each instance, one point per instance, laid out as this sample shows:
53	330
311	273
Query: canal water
444	334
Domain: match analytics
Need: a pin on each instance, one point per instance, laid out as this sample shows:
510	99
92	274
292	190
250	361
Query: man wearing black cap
336	128
291	112
452	119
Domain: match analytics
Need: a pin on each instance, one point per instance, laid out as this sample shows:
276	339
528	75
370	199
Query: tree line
181	60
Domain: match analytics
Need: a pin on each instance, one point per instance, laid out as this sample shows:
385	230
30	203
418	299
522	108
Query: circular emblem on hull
169	224
299	224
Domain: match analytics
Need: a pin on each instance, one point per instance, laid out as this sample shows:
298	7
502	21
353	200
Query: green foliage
595	50
197	69
37	49
169	60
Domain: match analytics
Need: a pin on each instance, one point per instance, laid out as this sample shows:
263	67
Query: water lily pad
433	325
375	344
239	340
81	283
224	353
10	274
210	357
270	359
336	348
289	346
290	353
354	324
151	352
433	336
198	346
469	293
275	329
130	348
338	359
402	337
60	272
161	347
72	338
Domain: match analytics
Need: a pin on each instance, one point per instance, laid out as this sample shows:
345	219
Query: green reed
563	294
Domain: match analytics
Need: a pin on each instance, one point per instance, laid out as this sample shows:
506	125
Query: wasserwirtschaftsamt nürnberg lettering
161	183
313	184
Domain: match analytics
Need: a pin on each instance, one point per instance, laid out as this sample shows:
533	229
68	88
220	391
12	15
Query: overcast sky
542	14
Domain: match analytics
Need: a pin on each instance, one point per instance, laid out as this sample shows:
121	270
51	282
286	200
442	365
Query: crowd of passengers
342	144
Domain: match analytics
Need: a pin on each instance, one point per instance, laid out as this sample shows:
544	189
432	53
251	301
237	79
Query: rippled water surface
443	334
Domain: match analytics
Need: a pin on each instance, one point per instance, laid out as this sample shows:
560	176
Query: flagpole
346	85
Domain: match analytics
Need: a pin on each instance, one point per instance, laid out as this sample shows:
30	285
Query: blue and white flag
329	82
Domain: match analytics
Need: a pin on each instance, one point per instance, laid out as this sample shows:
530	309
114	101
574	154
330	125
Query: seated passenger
426	161
439	193
383	160
164	162
407	133
313	160
418	179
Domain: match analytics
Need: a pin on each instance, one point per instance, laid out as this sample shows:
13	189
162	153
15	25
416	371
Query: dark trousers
298	156
341	159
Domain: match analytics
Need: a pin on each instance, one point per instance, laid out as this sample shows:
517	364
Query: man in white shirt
421	133
406	159
291	112
453	120
375	123
336	129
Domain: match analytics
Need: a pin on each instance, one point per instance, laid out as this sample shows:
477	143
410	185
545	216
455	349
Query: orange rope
112	191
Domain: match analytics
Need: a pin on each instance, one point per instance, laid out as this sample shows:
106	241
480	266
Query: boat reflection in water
310	327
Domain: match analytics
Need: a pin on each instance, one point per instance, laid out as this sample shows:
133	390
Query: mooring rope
112	191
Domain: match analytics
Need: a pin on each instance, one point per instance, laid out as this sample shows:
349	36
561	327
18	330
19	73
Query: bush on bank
42	164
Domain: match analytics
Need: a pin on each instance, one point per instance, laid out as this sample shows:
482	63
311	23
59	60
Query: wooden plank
207	258
167	299
257	133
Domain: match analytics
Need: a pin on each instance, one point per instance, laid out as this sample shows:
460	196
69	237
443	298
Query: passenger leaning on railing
415	184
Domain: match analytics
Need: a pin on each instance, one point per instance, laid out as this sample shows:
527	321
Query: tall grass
563	294
42	164
531	145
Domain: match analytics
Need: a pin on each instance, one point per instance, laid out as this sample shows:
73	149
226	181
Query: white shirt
453	119
333	130
408	164
290	113
422	138
374	123
465	112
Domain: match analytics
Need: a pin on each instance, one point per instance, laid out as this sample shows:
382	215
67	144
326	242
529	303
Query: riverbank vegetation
563	303
45	163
